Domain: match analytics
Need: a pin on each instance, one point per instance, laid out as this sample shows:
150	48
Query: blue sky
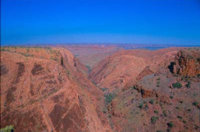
175	22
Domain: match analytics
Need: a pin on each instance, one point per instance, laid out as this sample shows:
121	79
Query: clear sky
100	21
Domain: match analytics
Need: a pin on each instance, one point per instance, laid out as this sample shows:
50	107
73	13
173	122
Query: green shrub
134	87
198	75
165	113
141	105
3	49
188	84
151	101
170	124
177	107
109	97
155	111
195	103
177	85
154	119
7	129
180	117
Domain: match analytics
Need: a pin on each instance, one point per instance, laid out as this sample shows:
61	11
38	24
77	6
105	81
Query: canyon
100	89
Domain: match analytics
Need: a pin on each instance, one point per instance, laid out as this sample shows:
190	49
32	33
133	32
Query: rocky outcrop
187	63
145	93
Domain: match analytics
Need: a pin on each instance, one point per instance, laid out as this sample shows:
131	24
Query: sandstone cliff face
187	63
41	90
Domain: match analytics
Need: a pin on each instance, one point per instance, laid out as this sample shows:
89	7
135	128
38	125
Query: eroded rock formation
187	63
